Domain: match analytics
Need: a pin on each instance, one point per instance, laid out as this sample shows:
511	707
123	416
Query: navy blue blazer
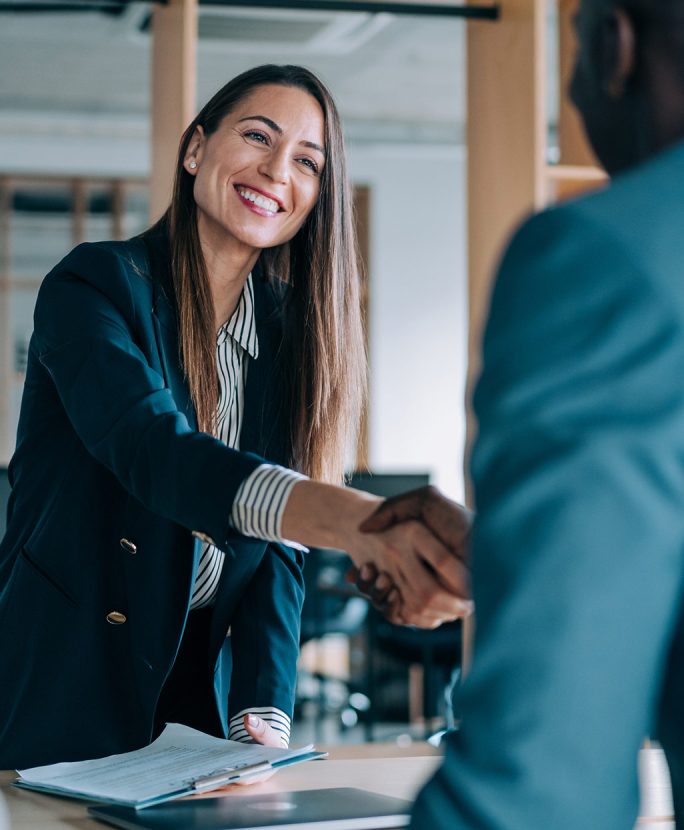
107	453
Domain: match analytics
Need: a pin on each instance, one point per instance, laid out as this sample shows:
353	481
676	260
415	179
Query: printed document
180	762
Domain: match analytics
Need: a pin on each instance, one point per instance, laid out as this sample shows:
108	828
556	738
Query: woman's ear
193	155
618	52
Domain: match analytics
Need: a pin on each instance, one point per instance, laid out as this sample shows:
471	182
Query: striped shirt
261	498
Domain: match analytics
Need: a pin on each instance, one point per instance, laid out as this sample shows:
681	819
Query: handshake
410	552
417	570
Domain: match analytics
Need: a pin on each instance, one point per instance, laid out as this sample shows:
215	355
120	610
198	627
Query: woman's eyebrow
268	121
278	129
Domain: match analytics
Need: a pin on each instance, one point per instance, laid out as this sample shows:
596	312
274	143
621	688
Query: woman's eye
310	163
257	136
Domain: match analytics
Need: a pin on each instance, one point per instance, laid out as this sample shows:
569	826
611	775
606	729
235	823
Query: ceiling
395	78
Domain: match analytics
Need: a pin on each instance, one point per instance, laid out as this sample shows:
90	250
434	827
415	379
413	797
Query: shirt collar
242	325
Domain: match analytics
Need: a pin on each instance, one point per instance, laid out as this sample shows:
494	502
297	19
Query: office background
75	103
75	159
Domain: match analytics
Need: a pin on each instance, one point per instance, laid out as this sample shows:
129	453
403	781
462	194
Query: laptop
342	808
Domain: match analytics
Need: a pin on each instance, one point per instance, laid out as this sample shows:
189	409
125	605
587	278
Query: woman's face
258	176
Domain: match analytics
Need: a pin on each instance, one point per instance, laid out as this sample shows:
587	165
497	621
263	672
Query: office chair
436	654
331	606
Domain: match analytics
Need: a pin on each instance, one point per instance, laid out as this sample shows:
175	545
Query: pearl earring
192	165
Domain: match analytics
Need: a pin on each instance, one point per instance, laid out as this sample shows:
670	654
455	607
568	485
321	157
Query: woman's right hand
433	584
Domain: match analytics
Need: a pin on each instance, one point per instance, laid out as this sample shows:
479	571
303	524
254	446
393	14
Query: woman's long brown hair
324	349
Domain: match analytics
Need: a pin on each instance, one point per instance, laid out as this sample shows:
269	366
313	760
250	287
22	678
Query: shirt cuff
275	718
260	503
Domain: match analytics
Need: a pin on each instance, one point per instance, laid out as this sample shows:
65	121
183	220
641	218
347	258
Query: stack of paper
182	761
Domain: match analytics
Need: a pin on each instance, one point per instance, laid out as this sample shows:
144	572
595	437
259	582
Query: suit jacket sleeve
579	406
265	633
87	316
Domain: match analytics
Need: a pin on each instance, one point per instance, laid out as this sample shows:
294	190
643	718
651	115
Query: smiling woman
251	167
181	388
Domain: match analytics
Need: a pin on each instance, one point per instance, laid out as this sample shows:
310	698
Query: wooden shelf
568	180
575	172
21	283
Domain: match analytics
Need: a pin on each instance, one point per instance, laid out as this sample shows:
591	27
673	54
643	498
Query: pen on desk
209	782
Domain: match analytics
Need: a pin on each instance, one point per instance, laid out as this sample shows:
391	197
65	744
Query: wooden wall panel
174	82
506	136
362	196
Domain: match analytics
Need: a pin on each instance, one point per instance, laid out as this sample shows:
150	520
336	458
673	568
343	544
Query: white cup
654	784
4	815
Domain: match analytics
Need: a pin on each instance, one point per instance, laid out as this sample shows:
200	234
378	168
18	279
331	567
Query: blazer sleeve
578	538
265	633
87	321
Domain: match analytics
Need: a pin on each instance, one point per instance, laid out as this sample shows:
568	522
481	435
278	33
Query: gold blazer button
116	618
128	546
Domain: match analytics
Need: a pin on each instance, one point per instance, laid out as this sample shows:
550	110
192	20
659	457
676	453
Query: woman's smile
258	201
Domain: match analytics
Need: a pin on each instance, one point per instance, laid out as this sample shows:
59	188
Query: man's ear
618	52
195	151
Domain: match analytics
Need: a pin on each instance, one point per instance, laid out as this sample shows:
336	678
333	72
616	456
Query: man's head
629	77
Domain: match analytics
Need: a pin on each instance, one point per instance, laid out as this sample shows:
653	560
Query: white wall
418	308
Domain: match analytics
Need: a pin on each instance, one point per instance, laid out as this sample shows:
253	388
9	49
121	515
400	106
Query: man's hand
448	520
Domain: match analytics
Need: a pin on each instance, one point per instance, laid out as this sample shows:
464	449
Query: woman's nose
276	168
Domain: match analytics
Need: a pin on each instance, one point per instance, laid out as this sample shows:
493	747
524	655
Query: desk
370	767
385	769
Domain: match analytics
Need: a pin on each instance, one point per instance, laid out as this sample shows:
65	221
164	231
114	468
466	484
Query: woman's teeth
259	200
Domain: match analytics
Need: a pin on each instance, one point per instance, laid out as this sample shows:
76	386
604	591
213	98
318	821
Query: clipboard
182	761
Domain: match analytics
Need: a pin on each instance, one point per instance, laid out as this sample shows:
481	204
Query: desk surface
381	769
385	769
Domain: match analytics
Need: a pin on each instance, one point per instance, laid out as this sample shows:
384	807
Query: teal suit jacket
108	453
578	548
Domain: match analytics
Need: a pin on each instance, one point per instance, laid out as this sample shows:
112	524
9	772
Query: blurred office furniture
4	497
41	218
432	660
327	682
386	485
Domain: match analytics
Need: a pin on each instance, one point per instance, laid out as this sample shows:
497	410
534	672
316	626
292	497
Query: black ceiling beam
31	6
484	12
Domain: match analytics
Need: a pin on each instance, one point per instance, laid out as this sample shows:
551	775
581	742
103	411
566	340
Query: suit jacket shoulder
119	270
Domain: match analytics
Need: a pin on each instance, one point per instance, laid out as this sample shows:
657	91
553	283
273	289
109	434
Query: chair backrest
331	605
4	498
388	484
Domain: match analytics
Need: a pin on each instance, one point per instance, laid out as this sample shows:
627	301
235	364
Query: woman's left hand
262	733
